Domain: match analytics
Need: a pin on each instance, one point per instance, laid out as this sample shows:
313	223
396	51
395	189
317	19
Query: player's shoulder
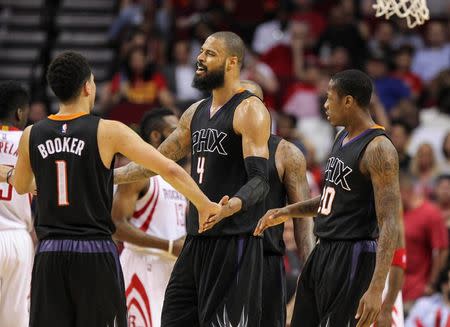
289	153
380	156
187	115
251	104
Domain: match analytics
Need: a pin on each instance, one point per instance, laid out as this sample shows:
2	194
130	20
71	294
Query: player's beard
210	80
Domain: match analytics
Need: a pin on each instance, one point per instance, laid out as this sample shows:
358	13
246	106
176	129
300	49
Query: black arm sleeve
257	186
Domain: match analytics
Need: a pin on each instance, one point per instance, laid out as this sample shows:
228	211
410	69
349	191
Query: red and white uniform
161	212
16	245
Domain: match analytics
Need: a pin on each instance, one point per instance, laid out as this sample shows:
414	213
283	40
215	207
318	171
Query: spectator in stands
425	169
407	111
135	89
426	241
131	14
383	38
428	62
261	73
341	33
442	197
445	166
179	75
403	61
400	133
406	36
433	311
434	124
271	33
301	99
390	90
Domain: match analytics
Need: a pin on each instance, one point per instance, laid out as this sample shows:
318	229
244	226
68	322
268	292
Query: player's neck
359	122
223	94
73	108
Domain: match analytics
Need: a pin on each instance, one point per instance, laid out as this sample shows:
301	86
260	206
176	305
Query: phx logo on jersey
138	304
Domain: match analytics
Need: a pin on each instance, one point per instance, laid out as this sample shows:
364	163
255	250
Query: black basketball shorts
77	283
335	277
216	281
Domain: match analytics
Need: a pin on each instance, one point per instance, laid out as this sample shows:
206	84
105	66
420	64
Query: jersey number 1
61	182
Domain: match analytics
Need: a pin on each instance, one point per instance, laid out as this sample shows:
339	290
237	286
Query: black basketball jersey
218	165
74	187
347	206
277	198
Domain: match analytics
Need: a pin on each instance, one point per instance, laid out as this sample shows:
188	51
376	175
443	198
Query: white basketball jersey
15	209
161	212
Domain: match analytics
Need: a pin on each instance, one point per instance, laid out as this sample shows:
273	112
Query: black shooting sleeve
257	186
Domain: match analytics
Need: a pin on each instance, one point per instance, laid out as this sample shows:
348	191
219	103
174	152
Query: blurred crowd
293	47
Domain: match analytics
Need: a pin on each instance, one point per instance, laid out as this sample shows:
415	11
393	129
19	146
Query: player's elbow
21	189
171	170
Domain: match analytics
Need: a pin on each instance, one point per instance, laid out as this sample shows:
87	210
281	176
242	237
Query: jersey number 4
326	201
61	182
200	169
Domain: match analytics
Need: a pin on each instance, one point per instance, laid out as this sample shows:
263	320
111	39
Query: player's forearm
3	173
23	185
395	284
304	237
130	173
304	209
389	231
125	232
180	179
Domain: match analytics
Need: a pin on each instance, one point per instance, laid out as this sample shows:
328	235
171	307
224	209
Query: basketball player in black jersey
217	280
343	279
288	184
77	280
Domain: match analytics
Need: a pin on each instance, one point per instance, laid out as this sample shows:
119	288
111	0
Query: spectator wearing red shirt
403	60
426	242
136	89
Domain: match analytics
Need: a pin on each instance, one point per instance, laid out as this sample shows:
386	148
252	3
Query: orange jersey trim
67	117
376	126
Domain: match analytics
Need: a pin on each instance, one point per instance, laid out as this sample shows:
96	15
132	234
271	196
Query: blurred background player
150	217
16	245
288	184
71	155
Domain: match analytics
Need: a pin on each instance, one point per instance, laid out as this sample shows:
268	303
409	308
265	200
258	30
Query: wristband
9	174
170	249
399	258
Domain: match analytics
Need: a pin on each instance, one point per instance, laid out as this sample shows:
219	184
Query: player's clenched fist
210	209
272	217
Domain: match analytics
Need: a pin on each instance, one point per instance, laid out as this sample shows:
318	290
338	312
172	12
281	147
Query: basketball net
415	11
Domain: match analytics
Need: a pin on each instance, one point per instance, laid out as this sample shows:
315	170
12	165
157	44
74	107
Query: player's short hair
153	121
235	45
67	74
355	83
12	97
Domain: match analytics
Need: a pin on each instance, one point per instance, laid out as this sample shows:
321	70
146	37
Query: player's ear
232	62
155	137
87	88
349	101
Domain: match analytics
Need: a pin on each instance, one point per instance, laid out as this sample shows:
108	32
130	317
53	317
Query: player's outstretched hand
228	208
272	217
369	308
209	210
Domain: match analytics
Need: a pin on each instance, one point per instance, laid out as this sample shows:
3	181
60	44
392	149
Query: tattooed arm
294	180
175	147
380	162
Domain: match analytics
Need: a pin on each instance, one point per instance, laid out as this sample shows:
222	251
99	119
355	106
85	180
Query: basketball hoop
415	11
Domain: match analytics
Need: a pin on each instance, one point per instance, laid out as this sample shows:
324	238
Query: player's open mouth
201	69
